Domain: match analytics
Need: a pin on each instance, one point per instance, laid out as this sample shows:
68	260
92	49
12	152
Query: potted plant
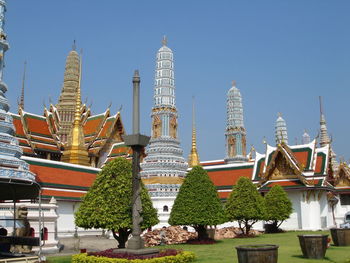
257	253
313	246
341	236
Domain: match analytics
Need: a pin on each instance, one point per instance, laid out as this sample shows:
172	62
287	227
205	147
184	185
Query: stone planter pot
341	236
313	246
261	253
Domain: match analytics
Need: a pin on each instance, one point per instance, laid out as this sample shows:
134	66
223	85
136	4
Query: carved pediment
342	179
283	166
281	169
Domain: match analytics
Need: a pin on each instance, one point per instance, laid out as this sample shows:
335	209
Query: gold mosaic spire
66	103
193	158
76	152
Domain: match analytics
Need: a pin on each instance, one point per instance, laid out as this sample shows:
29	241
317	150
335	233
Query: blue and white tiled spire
306	138
11	166
281	133
164	158
235	131
324	138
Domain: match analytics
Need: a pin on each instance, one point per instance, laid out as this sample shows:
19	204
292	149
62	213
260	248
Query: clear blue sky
283	55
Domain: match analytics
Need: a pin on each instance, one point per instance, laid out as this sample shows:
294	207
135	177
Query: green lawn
224	251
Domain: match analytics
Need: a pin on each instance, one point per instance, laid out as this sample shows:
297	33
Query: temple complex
64	148
164	168
69	129
319	191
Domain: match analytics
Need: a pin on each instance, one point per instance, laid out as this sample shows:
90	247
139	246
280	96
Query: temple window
345	199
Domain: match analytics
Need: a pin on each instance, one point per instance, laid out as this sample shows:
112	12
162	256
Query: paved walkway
73	245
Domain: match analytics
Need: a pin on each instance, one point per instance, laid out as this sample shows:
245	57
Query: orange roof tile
224	195
320	163
212	163
303	156
46	147
49	174
229	176
93	124
19	126
64	194
37	125
107	126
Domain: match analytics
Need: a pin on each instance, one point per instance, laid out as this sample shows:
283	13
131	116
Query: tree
245	205
278	207
197	203
107	204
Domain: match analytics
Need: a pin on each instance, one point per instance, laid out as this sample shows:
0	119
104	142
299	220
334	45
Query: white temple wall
294	221
65	223
159	203
340	211
326	212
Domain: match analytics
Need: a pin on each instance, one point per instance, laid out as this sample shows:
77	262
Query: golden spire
193	158
76	151
21	104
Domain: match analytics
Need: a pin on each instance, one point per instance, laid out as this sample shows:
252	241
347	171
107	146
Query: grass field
224	251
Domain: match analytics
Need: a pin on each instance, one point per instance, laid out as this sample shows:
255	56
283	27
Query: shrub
278	207
245	205
197	203
107	204
183	257
113	253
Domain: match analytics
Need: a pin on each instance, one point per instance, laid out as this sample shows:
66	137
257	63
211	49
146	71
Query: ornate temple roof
39	133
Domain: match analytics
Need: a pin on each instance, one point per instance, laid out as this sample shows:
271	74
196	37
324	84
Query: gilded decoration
160	109
283	165
231	146
173	127
157	126
342	178
163	180
282	169
244	143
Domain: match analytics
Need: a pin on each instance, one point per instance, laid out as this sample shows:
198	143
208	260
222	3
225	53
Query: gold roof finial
193	158
74	46
164	40
76	151
21	103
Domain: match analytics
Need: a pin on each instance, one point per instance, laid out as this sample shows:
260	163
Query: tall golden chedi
76	152
67	102
193	157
